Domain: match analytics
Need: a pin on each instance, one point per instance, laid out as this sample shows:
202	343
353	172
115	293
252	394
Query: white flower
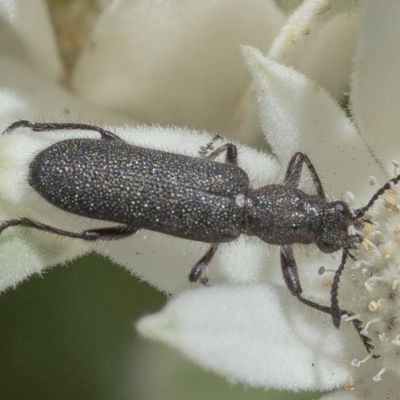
257	334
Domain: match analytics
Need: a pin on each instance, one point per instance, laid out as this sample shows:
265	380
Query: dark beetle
192	198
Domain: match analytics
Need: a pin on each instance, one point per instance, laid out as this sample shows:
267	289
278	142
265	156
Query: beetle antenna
361	211
335	310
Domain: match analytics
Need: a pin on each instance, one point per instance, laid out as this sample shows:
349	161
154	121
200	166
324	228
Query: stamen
368	215
396	340
396	165
383	337
378	376
364	331
348	197
372	181
356	265
356	363
395	282
366	273
373	282
322	270
347	318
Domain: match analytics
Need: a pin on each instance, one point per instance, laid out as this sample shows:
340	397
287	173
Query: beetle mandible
192	198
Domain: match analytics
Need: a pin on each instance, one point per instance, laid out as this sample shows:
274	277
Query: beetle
198	199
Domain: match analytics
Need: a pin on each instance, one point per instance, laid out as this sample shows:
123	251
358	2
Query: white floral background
319	76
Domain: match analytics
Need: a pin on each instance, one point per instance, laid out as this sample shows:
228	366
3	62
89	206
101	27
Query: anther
356	265
366	273
383	337
364	331
373	306
367	228
372	283
390	201
348	197
396	340
322	270
356	363
367	245
395	281
378	376
372	181
368	215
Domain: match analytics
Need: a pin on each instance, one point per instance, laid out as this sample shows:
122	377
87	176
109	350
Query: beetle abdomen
165	192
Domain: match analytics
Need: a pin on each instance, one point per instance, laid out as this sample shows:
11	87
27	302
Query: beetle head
338	228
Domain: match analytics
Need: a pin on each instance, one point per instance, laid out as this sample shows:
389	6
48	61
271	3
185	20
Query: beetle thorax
283	215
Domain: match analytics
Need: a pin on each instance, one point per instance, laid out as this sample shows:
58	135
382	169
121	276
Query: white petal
298	115
245	124
24	254
28	34
250	334
172	62
25	94
376	84
319	40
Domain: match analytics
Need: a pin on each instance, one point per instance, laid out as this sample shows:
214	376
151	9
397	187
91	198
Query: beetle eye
343	209
326	247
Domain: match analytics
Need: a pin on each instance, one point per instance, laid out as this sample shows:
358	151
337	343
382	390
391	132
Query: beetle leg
50	126
231	156
293	173
209	146
292	280
111	233
197	271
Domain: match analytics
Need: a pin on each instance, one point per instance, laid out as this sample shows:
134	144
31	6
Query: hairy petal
174	62
253	335
375	87
26	33
299	115
319	40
